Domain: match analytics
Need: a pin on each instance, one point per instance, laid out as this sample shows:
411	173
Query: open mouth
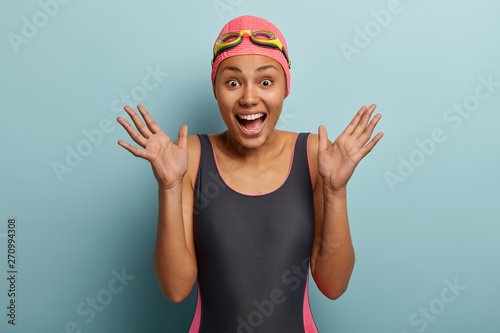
251	123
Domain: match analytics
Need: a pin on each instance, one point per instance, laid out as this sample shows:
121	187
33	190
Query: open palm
168	159
337	161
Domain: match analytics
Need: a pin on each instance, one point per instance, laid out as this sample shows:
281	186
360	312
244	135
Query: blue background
435	224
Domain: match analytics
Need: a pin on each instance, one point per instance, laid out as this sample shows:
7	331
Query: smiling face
250	90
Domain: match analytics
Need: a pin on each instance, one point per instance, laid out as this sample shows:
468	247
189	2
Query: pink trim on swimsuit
199	157
308	164
309	325
195	324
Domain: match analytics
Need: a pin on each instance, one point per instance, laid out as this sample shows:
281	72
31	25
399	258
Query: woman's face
250	90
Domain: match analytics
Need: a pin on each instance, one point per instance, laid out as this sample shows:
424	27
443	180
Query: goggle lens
264	35
228	38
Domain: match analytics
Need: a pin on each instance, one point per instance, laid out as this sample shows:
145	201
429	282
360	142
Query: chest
255	178
239	208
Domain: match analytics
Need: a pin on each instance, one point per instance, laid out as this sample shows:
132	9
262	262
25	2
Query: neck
233	148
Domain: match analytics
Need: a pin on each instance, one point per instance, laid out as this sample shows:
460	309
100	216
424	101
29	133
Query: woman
247	212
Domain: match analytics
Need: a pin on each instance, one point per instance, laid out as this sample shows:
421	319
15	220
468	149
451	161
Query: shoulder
193	143
312	144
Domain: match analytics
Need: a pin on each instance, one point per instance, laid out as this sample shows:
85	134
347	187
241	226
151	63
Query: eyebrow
260	69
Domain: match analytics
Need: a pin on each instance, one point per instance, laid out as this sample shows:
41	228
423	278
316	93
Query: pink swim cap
252	23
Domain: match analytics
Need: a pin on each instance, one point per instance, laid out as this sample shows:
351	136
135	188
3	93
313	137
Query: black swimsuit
253	251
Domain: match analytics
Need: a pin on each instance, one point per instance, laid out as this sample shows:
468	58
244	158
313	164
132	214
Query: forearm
174	266
335	260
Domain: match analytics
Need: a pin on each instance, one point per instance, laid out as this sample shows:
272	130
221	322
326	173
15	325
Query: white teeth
251	116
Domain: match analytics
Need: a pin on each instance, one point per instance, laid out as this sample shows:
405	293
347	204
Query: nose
250	95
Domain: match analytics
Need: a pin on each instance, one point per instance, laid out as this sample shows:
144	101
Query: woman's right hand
168	159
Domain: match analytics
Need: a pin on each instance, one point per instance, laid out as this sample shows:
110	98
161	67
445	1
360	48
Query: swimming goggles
264	38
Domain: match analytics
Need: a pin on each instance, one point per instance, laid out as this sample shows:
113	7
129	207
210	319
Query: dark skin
255	84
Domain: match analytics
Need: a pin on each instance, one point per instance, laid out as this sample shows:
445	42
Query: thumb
183	132
323	138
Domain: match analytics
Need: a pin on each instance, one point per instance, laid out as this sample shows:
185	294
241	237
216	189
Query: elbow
331	290
176	295
177	291
175	298
175	287
334	294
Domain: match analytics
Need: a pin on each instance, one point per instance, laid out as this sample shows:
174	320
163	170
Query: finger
354	122
134	150
183	133
141	141
152	125
360	128
368	148
141	127
369	130
323	138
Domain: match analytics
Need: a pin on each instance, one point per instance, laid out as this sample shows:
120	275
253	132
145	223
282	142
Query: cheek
226	102
275	99
226	106
274	106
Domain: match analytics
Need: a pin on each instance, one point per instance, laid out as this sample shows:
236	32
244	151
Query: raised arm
332	255
174	258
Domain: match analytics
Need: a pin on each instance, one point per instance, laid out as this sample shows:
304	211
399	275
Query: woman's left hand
337	161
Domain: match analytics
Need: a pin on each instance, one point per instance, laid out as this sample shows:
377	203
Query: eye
232	83
266	82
